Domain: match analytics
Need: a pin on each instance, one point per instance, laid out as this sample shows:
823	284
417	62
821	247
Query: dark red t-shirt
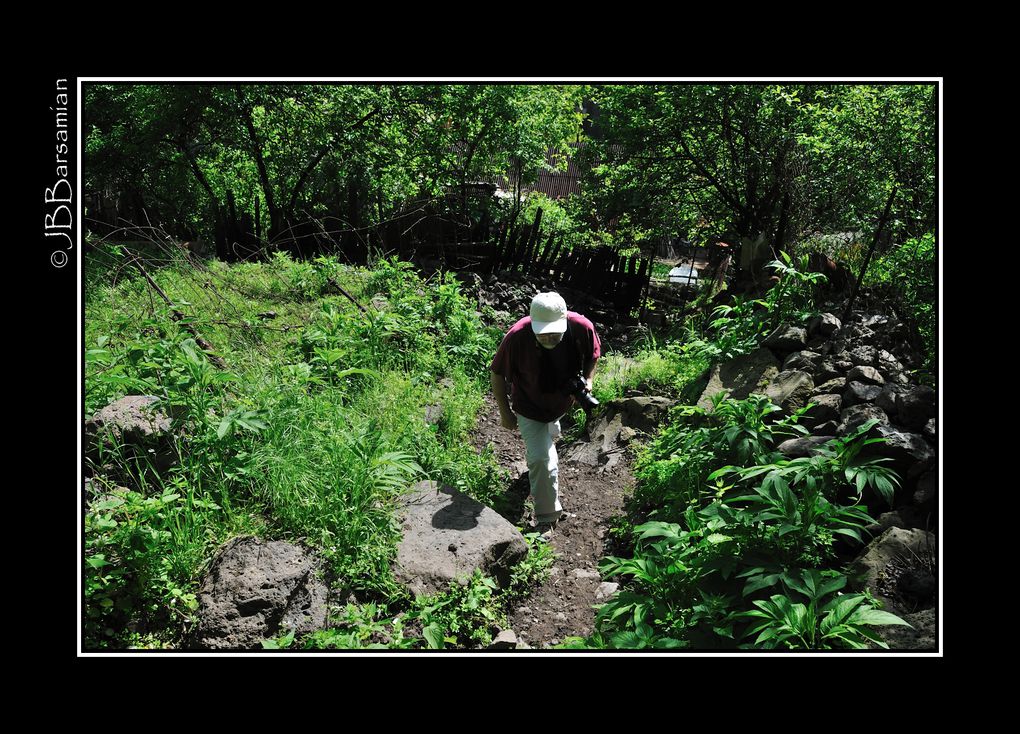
519	360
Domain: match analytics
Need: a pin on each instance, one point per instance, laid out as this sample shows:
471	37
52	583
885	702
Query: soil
563	606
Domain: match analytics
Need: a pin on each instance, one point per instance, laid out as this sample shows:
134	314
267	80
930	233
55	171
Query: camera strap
572	331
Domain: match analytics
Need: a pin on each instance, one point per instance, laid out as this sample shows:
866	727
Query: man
538	357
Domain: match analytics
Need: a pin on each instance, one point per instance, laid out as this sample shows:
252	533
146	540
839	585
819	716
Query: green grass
313	430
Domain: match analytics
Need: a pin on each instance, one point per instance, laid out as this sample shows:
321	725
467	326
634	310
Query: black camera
577	387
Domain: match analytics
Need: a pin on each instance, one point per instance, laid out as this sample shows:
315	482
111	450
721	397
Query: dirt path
563	605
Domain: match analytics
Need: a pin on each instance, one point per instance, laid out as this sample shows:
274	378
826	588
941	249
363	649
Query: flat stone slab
749	373
447	535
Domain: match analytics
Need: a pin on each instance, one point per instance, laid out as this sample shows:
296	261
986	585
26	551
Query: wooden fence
601	272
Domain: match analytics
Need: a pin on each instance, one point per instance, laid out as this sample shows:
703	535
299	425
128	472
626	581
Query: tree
760	161
272	157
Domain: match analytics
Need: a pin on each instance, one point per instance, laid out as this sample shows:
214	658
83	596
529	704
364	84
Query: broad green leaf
841	612
798	617
885	488
669	643
658	529
849	532
626	641
877	617
768	634
831	585
433	635
872	635
107	504
97	561
760	582
800	581
190	348
251	422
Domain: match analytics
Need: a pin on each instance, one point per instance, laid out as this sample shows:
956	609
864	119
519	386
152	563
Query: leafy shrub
692	581
910	272
827	621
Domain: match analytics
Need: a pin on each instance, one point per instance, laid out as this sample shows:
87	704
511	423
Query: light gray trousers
543	466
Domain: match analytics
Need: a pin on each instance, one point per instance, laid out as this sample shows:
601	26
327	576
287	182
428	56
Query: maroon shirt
519	360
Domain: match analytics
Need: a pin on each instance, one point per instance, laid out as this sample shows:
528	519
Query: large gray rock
434	414
859	334
886	400
796	448
786	339
876	321
826	408
790	390
129	432
905	449
922	635
606	590
864	355
930	431
885	521
829	428
888	363
505	640
907	518
643	412
895	561
866	375
749	373
927	490
827	371
895	544
831	386
916	406
615	427
257	589
855	416
825	324
447	535
607	439
806	361
857	392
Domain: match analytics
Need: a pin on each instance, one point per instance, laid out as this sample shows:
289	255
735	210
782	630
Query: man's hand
507	418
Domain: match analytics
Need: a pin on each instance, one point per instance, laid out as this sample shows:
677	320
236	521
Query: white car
684	273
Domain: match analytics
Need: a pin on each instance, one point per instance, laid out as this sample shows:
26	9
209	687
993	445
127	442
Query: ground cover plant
312	435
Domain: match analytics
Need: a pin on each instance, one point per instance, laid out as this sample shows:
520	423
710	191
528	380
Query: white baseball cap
548	314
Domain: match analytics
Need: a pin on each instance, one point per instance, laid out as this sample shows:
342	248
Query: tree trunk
219	226
784	215
275	220
871	251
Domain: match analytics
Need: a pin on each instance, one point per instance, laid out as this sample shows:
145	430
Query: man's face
549	341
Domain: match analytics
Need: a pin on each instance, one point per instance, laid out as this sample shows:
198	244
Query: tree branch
314	162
